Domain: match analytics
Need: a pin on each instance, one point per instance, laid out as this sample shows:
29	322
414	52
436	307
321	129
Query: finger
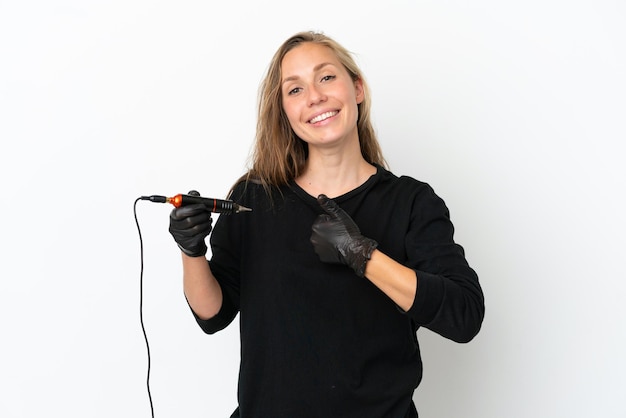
189	211
199	220
202	229
188	228
321	223
190	221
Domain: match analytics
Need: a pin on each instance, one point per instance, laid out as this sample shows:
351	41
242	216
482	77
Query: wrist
197	252
364	254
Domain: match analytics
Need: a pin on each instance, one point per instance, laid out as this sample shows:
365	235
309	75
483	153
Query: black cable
143	328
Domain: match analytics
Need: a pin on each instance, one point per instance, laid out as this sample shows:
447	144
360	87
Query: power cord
143	328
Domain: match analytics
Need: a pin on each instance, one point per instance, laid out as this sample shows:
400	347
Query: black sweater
316	340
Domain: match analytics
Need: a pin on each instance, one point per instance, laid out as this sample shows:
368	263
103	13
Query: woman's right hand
190	225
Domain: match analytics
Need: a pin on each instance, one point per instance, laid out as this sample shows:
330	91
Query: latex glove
337	239
190	225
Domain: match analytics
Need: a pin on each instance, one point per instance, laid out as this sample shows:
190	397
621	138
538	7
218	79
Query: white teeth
322	117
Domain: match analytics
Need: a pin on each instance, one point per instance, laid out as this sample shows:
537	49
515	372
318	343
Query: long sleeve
449	299
225	263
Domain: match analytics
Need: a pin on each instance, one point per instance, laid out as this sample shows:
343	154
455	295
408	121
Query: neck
334	175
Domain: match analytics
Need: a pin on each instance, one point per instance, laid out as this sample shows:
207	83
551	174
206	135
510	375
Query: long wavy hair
278	155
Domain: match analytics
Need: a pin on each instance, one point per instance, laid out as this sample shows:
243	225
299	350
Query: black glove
337	239
190	225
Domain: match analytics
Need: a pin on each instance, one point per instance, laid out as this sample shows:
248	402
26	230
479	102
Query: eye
293	91
327	78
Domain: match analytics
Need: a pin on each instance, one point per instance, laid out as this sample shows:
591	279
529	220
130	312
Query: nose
315	95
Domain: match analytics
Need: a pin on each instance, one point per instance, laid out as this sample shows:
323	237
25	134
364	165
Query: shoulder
402	183
253	193
247	190
408	191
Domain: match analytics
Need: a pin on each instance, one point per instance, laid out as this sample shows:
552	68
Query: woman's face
319	97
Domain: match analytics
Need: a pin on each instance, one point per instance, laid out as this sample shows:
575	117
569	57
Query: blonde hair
279	155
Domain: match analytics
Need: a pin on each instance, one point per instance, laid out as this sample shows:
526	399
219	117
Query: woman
339	262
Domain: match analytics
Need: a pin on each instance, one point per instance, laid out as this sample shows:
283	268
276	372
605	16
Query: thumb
329	205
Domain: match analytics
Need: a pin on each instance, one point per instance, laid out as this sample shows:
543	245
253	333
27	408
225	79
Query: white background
513	111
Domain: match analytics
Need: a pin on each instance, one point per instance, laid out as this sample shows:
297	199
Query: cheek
291	112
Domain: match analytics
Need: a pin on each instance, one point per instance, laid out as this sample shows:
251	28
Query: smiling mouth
323	116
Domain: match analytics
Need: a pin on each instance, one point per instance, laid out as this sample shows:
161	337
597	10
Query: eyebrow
316	68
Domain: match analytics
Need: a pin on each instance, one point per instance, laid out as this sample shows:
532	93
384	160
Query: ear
359	91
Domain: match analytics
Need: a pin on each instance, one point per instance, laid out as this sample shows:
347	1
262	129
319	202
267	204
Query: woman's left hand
337	239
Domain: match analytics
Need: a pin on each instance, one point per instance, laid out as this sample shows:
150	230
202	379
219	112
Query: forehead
306	57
